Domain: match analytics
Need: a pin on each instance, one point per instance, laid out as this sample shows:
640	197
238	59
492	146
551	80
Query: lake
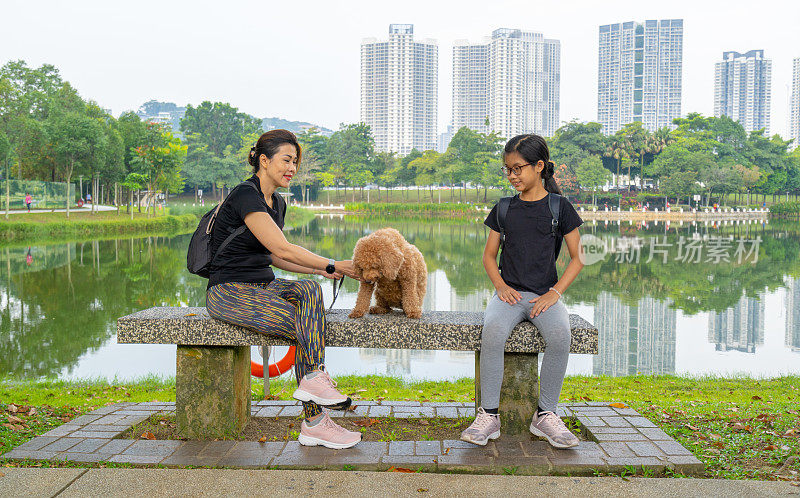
680	298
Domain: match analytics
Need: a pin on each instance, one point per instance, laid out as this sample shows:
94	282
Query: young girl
527	289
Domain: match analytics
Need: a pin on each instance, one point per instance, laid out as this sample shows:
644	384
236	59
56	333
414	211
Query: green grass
46	226
55	227
741	428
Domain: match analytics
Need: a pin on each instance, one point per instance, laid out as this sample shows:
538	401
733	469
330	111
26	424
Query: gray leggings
499	320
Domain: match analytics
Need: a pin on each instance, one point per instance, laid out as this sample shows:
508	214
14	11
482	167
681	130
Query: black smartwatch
331	268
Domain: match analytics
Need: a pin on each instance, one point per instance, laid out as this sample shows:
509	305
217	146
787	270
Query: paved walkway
221	482
617	438
83	209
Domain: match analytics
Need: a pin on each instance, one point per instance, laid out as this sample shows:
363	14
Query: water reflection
635	339
740	328
59	303
792	308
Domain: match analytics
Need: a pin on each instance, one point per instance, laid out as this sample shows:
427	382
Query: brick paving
617	438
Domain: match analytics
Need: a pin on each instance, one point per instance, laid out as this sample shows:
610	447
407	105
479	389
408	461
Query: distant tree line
48	132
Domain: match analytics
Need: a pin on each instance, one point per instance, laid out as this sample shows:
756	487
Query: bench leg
212	387
519	395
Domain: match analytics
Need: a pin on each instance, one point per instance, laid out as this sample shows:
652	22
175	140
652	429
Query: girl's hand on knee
508	295
543	302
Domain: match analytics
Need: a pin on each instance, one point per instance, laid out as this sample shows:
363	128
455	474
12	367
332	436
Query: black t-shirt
244	259
528	259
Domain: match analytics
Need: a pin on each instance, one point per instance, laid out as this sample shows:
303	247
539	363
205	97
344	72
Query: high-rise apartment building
639	78
399	90
509	83
794	112
742	88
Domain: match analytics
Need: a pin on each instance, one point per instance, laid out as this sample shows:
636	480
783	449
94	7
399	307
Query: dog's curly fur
394	269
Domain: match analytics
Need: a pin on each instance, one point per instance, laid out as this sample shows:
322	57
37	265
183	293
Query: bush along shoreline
417	209
789	209
104	225
14	231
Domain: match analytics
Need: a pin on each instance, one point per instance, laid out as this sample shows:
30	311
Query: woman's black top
244	259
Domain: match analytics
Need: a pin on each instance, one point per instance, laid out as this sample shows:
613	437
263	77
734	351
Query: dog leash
336	289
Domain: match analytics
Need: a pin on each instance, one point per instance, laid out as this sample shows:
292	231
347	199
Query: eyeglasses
513	169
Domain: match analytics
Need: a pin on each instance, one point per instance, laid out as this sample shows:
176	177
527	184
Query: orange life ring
276	369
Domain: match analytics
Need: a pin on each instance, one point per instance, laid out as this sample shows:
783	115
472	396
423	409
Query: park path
84	209
228	482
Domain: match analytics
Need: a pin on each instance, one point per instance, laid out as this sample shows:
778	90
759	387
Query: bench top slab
436	330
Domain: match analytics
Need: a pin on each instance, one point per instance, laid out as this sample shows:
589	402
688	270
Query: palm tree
617	149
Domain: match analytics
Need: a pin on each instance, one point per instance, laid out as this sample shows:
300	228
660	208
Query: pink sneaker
484	428
321	389
328	434
549	426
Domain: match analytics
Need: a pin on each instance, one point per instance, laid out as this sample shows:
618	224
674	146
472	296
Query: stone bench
213	358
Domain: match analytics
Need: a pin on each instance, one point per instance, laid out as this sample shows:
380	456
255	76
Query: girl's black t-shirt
528	260
244	259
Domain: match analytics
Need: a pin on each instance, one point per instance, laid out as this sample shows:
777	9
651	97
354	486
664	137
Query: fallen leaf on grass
32	412
400	469
770	447
12	408
424	422
446	451
618	405
148	435
351	408
692	428
739	427
357	391
757	398
263	439
718	444
190	314
385	391
715	437
367	422
14	420
422	490
791	433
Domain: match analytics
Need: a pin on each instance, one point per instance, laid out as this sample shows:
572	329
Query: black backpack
553	201
199	256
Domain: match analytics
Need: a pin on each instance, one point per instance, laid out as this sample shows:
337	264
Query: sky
300	60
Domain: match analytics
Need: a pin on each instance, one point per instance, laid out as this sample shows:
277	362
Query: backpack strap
502	211
238	231
554	201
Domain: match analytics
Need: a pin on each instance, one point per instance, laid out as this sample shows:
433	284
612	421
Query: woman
243	290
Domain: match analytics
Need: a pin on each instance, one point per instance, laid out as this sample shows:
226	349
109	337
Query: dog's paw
356	314
414	314
377	310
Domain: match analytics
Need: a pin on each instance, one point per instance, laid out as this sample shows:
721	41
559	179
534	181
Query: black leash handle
336	289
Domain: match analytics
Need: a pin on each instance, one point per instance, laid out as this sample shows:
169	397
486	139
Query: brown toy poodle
394	269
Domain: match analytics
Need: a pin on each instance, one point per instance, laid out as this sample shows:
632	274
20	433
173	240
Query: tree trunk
8	191
69	174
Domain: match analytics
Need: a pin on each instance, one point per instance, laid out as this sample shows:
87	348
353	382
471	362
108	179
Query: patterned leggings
288	309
